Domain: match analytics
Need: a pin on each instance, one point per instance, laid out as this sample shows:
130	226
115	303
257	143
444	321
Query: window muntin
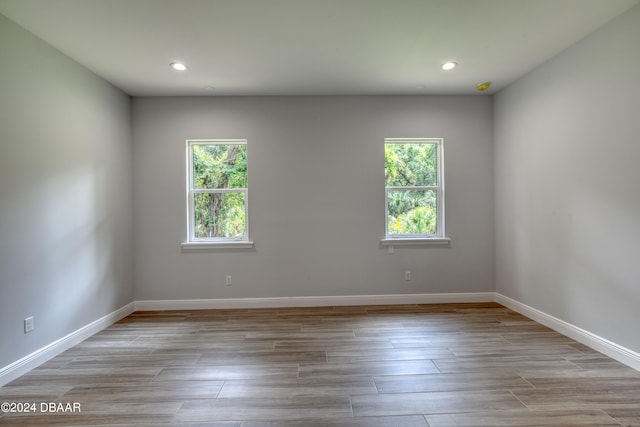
217	190
414	188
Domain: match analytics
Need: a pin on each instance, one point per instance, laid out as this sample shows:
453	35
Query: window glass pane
219	166
411	212
219	215
410	165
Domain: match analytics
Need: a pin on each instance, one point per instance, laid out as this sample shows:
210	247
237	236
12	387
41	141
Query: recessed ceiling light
179	66
449	66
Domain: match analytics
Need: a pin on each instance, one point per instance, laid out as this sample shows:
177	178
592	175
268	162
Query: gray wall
65	195
567	148
316	196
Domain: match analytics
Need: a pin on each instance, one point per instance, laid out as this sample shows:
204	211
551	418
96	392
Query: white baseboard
313	301
38	357
611	349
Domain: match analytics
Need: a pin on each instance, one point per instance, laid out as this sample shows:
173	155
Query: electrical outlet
28	324
228	281
407	275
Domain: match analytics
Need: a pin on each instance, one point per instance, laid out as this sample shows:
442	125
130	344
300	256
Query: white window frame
439	237
194	243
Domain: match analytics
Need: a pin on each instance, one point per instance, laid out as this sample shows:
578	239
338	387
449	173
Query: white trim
49	351
313	301
426	241
438	188
31	361
191	191
221	141
596	342
207	246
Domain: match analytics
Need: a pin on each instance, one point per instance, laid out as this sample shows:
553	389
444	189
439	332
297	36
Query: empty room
359	213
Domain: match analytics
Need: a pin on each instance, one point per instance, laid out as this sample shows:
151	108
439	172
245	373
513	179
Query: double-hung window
414	189
217	191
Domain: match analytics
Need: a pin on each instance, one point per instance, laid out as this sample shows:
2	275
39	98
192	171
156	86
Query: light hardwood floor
369	366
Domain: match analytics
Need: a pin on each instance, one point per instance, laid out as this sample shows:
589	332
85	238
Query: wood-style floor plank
299	387
266	408
477	381
433	403
527	418
403	421
363	366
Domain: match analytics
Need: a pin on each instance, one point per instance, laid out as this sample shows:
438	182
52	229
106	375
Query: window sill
418	241
213	246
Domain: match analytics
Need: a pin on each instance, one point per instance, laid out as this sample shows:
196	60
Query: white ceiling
310	47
